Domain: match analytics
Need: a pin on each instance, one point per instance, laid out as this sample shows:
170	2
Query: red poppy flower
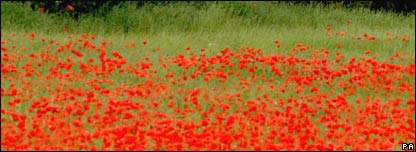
41	9
70	8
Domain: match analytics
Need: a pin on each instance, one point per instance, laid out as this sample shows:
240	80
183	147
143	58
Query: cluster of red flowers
80	95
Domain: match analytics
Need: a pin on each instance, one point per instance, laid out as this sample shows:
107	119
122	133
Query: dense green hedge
153	17
100	7
398	6
95	7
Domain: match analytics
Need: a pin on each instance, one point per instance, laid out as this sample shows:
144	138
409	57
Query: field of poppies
346	86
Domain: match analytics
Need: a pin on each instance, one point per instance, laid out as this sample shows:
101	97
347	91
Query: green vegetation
197	17
172	27
210	25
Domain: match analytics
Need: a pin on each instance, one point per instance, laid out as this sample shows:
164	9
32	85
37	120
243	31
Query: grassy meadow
207	76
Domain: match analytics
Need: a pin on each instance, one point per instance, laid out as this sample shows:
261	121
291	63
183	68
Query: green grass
214	26
226	24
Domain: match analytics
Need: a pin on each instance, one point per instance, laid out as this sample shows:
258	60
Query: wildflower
41	9
328	28
32	35
339	46
70	8
405	39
